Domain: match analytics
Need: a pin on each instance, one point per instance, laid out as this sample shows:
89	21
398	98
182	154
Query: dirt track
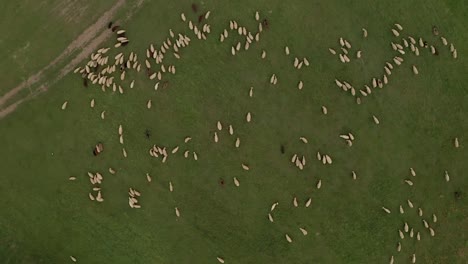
88	41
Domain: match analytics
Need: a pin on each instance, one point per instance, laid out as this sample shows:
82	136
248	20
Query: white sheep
303	231
386	210
236	182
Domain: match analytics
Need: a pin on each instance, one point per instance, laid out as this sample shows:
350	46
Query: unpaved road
88	41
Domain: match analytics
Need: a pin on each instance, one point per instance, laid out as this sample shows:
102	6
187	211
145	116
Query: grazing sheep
237	142
434	218
251	92
447	177
177	212
187	139
72	178
413	172
309	201
231	130
395	32
91	197
376	120
354	175
421	42
432	231
415	70
304	140
329	159
410	183
418	236
236	182
148	177
413	258
270	217
272	78
92	103
124	152
401	210
64	105
263	54
456	143
221	260
347	44
304	232
386	210
402	236
406	227
344	136
73	258
99	197
148	104
121	140
248	117
420	211
300	85
257	16
426	224
410	204
387	70
295	202
219	126
288	238
319	184
245	167
294	158
215	137
195	156
332	51
175	149
399	247
324	110
358	54
286	50
364	32
444	41
273	206
306	62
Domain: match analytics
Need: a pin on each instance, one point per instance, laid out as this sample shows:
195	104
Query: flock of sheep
402	45
411	231
110	73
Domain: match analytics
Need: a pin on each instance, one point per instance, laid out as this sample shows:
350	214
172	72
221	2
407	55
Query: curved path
88	41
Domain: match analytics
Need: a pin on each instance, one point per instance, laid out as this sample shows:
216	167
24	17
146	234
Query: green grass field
45	218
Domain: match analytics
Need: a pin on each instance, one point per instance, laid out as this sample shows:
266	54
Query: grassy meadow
45	218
